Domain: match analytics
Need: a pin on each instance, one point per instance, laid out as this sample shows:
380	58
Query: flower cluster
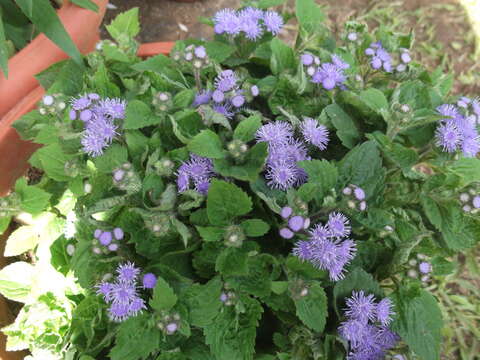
125	178
327	249
329	74
366	328
195	55
356	197
457	130
284	150
162	101
108	240
470	201
122	294
197	170
295	223
379	57
420	268
250	22
99	117
227	98
169	323
52	104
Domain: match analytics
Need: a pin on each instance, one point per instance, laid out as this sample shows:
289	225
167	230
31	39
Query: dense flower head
329	74
98	116
366	327
326	249
251	22
379	57
314	133
457	130
197	170
274	133
122	293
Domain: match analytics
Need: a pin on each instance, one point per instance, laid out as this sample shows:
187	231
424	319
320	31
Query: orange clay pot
81	24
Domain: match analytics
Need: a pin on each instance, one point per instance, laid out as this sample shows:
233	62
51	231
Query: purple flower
287	211
273	22
281	174
286	233
238	101
102	127
149	281
105	289
105	238
80	103
226	21
384	311
320	233
218	96
225	110
254	90
329	75
306	59
114	108
448	110
425	267
448	137
314	133
302	250
296	223
198	170
338	225
251	28
118	233
380	58
476	202
200	52
202	97
226	81
93	144
127	272
359	193
251	13
277	132
353	331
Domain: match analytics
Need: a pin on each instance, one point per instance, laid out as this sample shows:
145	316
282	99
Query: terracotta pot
14	163
81	24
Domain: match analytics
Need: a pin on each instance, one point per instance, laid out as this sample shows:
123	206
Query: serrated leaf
309	14
163	297
232	262
375	100
156	64
419	323
114	156
219	51
125	24
312	308
322	177
16	281
184	98
139	115
33	199
255	227
226	201
210	233
53	159
468	169
346	129
203	302
246	129
283	58
207	144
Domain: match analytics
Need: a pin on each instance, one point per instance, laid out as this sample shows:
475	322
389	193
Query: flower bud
237	149
164	167
125	178
234	236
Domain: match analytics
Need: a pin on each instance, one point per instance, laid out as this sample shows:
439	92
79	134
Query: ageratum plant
242	198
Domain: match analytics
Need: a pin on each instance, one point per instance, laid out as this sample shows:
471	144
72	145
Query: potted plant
242	198
67	32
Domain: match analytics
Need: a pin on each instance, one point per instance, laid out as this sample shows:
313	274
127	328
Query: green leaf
265	4
232	262
304	268
139	115
184	98
21	240
156	64
346	129
16	281
255	227
283	57
4	222
3	49
203	302
136	339
163	296
207	144
33	199
309	15
468	169
419	323
86	4
53	159
114	156
226	201
279	287
322	177
219	51
210	233
43	15
312	308
246	129
125	24
375	100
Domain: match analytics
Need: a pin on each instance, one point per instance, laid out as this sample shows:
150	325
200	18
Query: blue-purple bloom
380	58
122	294
197	170
251	22
457	131
202	97
149	280
366	329
275	133
314	133
325	249
329	75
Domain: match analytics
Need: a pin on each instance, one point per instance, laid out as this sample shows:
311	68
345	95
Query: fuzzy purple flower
93	143
384	311
226	81
149	281
314	133
338	225
197	170
127	272
361	307
114	108
273	22
329	75
202	97
226	21
380	58
278	132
